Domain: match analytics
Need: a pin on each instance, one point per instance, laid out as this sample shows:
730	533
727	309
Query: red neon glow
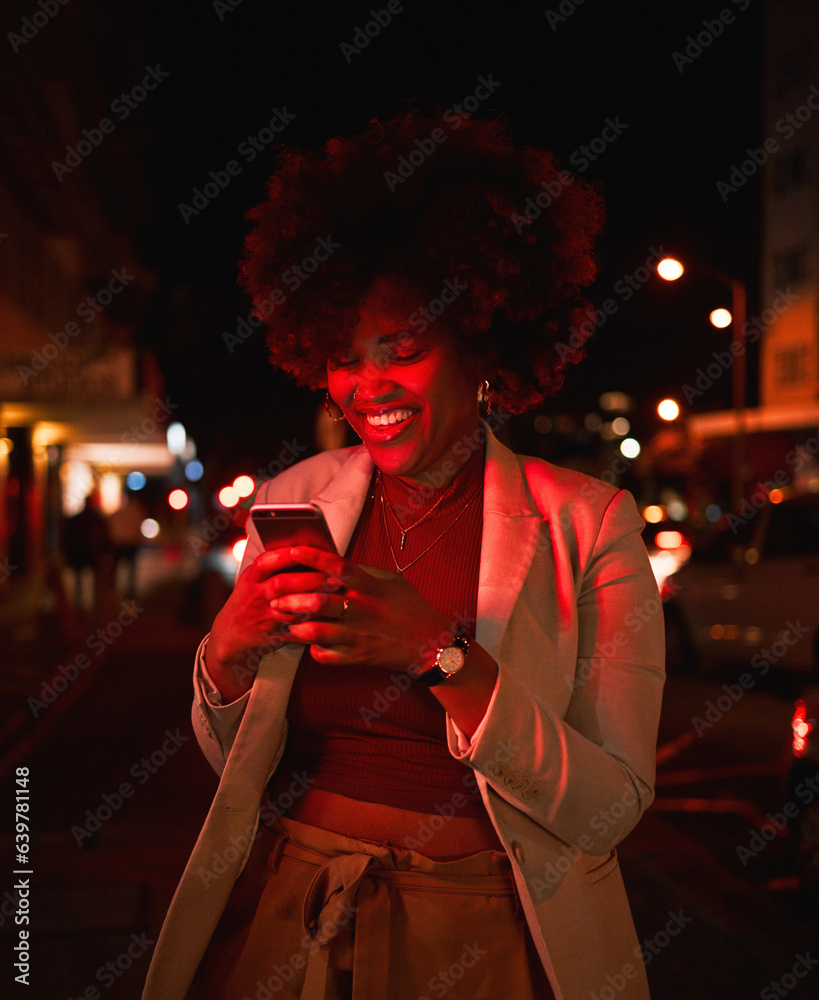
801	729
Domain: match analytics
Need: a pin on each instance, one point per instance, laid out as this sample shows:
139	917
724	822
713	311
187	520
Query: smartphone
281	525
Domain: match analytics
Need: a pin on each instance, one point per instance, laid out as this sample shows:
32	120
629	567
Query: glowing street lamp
720	318
670	269
668	409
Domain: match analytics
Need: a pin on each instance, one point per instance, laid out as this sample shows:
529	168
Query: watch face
451	659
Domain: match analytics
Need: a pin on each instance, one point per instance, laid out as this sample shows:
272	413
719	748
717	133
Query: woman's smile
389	418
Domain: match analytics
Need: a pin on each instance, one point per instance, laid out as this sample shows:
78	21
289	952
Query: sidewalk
118	787
51	653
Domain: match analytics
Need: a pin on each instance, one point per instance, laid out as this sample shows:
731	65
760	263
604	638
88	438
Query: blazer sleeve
214	723
588	776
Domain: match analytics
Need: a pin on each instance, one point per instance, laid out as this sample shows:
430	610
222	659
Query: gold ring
345	605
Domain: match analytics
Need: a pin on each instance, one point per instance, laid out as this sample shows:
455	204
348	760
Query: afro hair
429	199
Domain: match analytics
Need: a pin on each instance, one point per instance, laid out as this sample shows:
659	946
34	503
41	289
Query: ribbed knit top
375	734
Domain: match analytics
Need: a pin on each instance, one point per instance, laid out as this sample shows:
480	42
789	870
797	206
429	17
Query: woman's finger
326	562
296	583
326	632
266	564
331	606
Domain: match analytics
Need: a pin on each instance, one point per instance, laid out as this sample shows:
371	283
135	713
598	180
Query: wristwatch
448	660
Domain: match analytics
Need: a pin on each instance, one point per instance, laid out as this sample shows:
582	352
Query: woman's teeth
385	419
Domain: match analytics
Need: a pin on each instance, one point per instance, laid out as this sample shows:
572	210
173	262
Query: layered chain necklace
385	503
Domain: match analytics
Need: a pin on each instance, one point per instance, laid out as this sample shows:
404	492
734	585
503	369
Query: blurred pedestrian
125	528
88	552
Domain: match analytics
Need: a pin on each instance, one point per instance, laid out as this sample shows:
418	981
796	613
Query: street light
668	409
720	318
669	268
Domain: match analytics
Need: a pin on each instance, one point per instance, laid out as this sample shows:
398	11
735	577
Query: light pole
670	269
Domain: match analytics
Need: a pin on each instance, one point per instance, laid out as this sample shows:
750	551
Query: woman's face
409	396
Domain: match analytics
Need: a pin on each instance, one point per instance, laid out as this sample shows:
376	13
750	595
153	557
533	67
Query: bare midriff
437	837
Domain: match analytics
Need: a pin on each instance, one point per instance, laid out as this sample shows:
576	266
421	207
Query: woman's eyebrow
398	337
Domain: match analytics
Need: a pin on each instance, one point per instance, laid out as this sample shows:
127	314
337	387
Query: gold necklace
460	513
420	520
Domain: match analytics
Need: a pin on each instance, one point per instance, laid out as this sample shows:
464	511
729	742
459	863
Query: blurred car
751	597
669	548
803	792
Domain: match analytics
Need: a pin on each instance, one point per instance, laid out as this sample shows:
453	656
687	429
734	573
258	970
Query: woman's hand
250	618
387	621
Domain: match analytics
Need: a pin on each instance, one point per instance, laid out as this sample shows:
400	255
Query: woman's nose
373	379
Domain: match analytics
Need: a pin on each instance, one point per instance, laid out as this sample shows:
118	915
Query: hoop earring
484	401
327	401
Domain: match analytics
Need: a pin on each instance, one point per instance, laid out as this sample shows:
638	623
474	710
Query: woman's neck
441	473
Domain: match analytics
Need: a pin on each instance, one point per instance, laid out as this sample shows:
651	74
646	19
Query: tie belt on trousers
347	907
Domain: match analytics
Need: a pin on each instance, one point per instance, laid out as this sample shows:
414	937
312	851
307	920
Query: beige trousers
324	917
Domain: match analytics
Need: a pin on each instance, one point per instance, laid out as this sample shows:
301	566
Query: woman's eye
335	363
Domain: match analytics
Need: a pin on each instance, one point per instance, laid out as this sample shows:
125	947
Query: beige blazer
565	755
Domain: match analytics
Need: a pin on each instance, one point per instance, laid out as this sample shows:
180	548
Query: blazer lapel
510	533
342	499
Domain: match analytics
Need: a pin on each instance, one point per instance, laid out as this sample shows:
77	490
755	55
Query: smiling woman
417	737
409	397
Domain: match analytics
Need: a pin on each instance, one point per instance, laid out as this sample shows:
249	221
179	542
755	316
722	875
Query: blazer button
517	851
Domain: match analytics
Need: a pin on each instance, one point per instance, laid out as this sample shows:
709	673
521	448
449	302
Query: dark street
119	789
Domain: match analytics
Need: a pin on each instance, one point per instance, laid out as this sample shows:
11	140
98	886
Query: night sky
563	71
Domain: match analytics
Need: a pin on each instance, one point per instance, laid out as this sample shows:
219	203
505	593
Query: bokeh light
654	513
228	497
669	269
178	499
668	539
135	480
176	438
149	528
244	486
668	409
720	318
